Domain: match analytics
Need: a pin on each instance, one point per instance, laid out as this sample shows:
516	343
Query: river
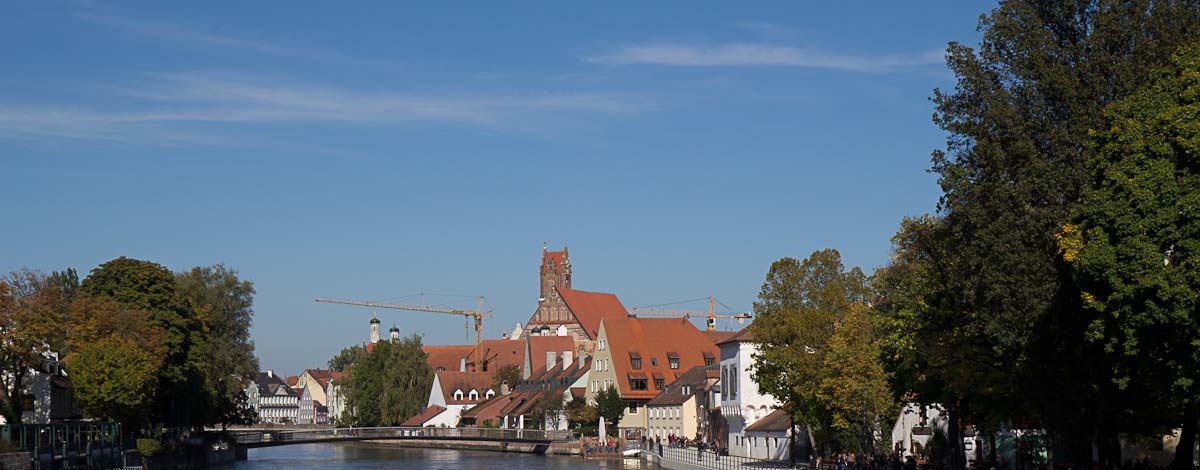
361	457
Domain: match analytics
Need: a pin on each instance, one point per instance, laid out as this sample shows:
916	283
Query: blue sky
378	150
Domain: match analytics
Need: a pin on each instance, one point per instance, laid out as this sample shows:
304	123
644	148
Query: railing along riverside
491	434
710	459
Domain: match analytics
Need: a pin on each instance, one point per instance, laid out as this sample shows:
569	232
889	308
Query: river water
359	457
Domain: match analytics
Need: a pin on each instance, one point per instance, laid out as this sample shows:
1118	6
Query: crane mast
476	315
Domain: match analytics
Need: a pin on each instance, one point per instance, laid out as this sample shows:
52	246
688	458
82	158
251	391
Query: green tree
610	407
344	359
1015	164
510	374
581	413
221	350
1134	245
389	384
854	386
113	378
149	287
797	314
32	325
548	407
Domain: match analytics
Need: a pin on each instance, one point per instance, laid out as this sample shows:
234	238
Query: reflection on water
358	456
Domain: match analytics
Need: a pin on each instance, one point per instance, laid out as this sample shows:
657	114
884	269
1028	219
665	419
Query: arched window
458	395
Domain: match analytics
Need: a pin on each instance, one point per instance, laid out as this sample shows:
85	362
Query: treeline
1057	286
142	345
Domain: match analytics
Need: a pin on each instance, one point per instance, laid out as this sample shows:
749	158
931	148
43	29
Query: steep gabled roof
695	378
656	340
446	357
450	381
498	353
777	421
742	335
718	336
590	308
424	416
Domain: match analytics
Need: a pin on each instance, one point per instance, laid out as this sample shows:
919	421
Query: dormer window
635	360
658	383
458	395
673	361
490	393
474	396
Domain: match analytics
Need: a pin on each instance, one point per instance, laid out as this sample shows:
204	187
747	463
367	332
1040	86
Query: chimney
550	360
567	357
581	359
504	388
462	364
270	373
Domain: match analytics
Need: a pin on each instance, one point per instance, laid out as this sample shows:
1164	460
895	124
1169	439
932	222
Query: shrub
149	447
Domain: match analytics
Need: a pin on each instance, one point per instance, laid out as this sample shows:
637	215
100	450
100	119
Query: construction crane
476	314
711	314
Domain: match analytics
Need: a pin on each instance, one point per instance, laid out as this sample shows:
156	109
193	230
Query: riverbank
490	446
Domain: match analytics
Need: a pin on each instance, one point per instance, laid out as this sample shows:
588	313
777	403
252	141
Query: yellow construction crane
476	314
711	314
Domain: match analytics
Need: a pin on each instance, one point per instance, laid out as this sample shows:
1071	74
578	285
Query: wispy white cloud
734	55
177	108
181	34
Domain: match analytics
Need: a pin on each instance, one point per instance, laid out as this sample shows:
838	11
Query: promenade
687	459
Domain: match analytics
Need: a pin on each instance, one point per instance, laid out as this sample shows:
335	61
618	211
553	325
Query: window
708	361
474	395
653	362
637	384
674	363
603	344
458	395
633	408
490	393
658	384
636	363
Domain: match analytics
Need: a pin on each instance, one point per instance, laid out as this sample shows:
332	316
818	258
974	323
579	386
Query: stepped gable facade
564	311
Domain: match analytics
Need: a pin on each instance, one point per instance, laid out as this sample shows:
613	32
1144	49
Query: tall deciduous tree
32	326
1014	166
389	384
797	315
1134	246
344	359
149	287
222	305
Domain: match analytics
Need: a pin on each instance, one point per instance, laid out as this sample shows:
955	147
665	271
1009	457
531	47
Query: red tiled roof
424	416
540	345
446	357
370	347
592	307
450	381
489	410
654	338
498	353
292	380
777	421
696	378
744	334
718	336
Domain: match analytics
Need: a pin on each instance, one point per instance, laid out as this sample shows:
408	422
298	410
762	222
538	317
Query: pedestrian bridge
272	438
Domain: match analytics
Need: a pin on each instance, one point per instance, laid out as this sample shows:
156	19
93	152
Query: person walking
699	450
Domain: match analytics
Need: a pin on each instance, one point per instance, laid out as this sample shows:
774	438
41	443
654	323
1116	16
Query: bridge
272	438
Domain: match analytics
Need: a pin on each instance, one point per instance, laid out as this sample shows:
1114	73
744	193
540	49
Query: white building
457	392
336	402
273	400
48	392
742	404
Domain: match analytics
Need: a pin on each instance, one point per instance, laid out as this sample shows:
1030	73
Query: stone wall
15	460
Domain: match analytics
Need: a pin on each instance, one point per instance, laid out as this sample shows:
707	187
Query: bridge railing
492	434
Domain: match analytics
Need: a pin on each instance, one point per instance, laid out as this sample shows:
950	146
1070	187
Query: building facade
273	400
742	403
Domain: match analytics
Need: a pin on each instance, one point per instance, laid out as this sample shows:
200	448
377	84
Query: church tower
555	273
374	330
394	334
